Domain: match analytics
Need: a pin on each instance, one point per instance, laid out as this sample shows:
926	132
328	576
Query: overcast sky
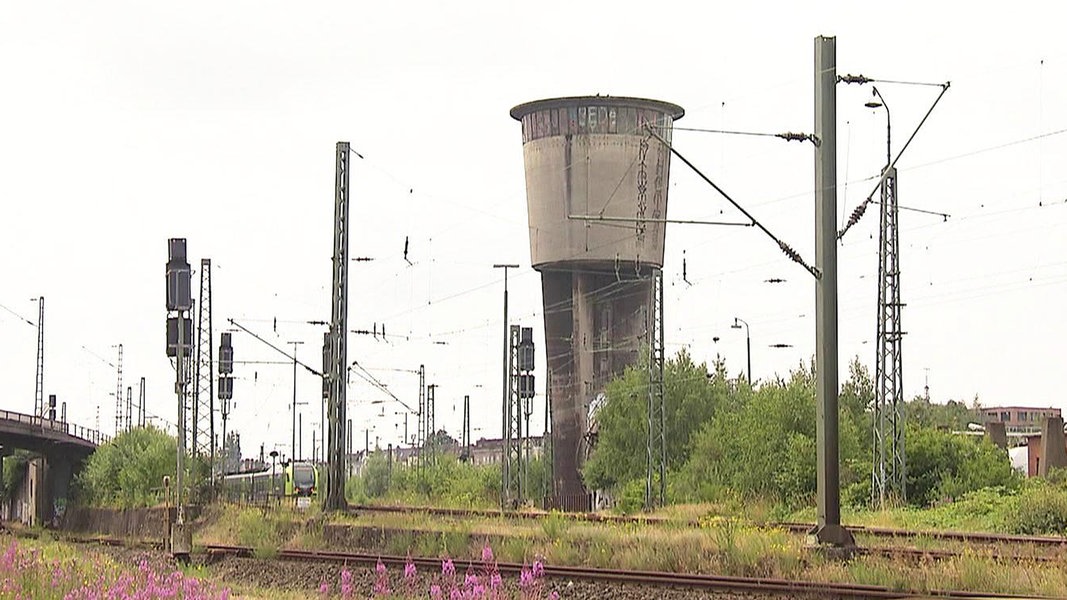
125	123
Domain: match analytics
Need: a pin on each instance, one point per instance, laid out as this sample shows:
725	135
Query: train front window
303	476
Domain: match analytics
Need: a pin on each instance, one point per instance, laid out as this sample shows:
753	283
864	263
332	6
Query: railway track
793	527
758	586
720	583
915	554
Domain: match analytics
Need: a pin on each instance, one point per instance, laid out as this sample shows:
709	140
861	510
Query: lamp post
273	476
748	345
293	447
877	101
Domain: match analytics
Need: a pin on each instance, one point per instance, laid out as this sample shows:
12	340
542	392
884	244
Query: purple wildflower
381	582
346	580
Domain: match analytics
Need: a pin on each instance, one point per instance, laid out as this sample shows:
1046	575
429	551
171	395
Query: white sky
125	123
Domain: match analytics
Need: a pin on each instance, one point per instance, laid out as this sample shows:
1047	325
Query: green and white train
295	480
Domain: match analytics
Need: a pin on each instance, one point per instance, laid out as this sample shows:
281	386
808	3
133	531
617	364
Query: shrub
631	497
128	471
1040	509
259	531
447	483
14	468
945	466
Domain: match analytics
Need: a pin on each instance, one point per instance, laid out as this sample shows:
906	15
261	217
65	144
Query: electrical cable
786	249
857	214
20	317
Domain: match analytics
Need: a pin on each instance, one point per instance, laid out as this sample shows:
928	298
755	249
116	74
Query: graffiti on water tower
577	120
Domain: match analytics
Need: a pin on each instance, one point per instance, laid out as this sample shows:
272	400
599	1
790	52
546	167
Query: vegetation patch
50	570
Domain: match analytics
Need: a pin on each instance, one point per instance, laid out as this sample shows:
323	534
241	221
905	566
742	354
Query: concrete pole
292	447
504	426
828	528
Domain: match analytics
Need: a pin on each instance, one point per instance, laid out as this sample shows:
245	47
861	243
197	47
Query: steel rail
619	576
960	536
793	527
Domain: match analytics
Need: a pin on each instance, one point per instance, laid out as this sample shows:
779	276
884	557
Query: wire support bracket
786	249
858	212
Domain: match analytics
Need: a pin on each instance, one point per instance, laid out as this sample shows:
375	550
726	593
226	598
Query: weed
555	525
258	530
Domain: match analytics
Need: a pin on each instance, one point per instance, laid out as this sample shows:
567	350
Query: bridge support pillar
58	475
4	453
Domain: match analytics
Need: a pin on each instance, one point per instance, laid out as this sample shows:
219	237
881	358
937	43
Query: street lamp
748	344
877	101
273	476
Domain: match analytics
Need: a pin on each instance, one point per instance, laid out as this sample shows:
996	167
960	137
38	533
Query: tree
764	445
944	465
129	470
856	401
952	415
691	397
376	474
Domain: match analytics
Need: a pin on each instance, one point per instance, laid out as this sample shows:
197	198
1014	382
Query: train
294	481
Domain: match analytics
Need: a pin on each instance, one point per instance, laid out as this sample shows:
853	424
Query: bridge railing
84	433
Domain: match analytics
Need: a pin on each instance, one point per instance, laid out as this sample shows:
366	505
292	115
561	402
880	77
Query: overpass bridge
62	448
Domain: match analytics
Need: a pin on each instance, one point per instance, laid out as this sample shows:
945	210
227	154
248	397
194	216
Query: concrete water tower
592	157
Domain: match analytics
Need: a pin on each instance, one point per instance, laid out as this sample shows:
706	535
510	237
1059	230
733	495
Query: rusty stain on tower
593	156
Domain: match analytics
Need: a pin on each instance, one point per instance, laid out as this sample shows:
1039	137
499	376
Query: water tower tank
593	157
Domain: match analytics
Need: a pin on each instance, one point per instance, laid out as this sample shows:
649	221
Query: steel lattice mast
204	392
513	418
431	423
119	400
420	429
39	406
889	474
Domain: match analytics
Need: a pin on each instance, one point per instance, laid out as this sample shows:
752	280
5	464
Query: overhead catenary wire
82	347
786	249
370	378
464	292
487	285
788	136
20	317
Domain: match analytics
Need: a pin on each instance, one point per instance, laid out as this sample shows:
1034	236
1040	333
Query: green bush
631	497
256	529
944	466
447	483
761	444
14	468
1041	509
128	471
375	475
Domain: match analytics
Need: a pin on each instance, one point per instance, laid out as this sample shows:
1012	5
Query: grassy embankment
721	545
